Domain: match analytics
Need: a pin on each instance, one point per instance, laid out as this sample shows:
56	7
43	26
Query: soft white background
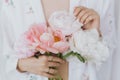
0	46
116	58
1	57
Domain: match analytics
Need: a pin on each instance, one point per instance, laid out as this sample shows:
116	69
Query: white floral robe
17	15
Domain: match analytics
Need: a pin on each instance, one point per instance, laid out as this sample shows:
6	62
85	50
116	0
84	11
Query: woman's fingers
53	64
82	13
78	10
46	74
85	15
89	18
83	18
41	66
55	59
52	71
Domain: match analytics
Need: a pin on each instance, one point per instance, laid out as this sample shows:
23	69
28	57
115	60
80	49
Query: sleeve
10	59
108	24
108	30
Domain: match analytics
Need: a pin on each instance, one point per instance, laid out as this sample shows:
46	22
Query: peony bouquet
87	45
64	37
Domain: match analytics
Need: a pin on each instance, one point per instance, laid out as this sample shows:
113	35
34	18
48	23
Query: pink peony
35	31
39	38
26	44
54	42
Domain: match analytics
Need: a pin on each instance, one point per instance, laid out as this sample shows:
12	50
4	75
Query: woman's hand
88	17
40	66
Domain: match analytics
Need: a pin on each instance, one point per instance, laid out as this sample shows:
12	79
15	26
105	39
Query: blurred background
116	56
1	56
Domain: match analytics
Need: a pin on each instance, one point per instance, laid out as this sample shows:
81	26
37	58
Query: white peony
86	42
64	22
89	45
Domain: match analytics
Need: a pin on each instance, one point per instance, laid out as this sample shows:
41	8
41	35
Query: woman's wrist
21	66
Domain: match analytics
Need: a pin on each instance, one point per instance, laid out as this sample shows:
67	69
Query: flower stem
79	56
56	78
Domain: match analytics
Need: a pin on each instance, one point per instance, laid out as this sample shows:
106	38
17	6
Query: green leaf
67	55
60	55
81	58
75	54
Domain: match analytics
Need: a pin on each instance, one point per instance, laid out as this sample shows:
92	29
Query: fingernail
83	28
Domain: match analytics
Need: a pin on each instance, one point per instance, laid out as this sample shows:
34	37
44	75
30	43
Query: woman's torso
50	6
24	13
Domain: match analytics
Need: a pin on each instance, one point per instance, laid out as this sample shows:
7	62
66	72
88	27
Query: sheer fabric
116	57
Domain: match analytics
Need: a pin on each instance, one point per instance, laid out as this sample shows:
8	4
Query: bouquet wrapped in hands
65	39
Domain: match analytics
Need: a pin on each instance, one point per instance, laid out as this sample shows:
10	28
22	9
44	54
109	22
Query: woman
18	15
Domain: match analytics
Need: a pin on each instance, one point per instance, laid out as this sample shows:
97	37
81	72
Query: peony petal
64	22
60	35
61	46
48	48
47	39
